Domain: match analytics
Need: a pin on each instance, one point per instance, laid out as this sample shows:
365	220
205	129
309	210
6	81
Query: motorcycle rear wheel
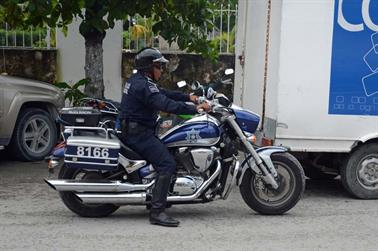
72	201
268	201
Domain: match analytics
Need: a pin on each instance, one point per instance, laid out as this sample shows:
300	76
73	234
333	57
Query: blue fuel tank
194	132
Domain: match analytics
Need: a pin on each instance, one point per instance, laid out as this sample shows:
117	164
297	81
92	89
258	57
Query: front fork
263	164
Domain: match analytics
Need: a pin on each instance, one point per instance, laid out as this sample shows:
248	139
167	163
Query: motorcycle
100	173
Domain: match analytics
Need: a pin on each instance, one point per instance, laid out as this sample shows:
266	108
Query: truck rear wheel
359	175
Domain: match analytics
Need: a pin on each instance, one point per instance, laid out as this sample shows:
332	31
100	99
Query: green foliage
39	13
182	21
225	3
20	38
174	20
73	93
126	39
221	41
138	33
221	21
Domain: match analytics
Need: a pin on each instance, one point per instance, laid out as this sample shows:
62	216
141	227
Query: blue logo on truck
354	66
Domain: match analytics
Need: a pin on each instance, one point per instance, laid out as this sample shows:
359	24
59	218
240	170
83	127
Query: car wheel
34	135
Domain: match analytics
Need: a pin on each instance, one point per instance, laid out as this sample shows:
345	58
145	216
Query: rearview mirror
195	85
181	84
228	71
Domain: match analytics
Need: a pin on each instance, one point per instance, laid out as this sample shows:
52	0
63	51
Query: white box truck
310	69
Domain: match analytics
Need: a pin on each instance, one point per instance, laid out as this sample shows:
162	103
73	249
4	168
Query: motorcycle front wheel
74	203
269	201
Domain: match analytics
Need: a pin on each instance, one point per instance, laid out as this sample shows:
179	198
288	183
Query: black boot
159	202
162	219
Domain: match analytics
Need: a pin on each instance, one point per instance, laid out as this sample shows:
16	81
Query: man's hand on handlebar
204	107
194	99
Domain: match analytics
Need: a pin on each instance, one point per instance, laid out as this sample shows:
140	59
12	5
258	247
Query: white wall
71	58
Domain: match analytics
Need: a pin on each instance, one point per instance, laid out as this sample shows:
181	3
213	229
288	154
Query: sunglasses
161	67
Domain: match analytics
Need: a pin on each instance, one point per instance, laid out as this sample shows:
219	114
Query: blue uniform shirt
142	99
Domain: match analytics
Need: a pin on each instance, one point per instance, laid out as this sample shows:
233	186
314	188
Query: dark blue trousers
147	145
150	147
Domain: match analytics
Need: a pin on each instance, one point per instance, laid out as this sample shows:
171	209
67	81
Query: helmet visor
161	60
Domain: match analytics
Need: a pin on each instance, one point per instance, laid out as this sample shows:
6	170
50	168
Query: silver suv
28	109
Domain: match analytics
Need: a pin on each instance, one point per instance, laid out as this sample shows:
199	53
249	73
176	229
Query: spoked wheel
264	199
74	203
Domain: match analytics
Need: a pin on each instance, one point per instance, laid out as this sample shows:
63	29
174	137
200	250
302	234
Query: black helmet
146	57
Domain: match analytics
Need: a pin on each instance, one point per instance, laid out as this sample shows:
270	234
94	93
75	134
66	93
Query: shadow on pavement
4	155
328	188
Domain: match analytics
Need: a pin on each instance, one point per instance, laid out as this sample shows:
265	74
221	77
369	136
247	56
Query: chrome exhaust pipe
118	199
141	198
96	186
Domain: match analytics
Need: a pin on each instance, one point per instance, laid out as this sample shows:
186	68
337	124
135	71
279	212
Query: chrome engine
202	158
187	185
192	167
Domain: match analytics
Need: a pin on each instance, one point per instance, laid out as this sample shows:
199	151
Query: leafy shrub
73	93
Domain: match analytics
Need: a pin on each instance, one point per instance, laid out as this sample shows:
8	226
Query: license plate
89	151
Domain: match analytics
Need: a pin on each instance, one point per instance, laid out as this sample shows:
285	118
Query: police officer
141	101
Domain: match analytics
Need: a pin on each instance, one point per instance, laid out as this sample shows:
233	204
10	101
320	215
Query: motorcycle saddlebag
92	152
81	116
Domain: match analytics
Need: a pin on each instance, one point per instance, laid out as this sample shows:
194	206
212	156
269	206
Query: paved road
33	218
